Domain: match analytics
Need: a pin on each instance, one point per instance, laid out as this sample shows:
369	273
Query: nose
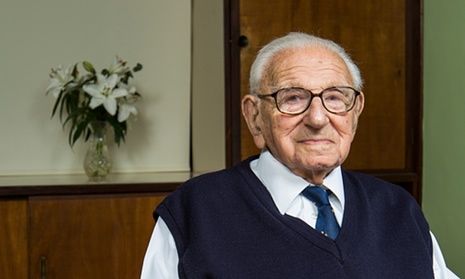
316	116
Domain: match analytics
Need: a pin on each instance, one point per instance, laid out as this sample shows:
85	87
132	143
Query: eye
333	96
338	99
292	96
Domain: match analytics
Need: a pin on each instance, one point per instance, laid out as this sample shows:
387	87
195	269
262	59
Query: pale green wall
444	127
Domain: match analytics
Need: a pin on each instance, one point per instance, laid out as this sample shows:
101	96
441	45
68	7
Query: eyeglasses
296	100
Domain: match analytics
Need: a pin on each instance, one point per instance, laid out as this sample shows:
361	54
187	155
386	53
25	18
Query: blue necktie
326	222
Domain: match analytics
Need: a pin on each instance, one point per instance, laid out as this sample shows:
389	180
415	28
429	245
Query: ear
360	104
251	113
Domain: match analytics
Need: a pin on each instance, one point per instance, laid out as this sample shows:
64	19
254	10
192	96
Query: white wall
208	119
38	35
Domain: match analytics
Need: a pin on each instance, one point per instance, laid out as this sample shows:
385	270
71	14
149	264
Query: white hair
298	40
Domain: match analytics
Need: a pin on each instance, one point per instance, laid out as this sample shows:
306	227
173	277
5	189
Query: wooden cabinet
77	230
13	239
97	236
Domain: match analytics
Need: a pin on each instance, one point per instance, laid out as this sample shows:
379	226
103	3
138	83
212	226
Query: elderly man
292	212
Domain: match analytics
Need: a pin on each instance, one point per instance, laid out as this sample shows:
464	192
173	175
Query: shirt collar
284	186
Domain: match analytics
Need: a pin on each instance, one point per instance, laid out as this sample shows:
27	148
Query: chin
319	165
318	159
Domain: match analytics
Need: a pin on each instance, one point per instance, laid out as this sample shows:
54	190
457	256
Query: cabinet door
13	239
90	236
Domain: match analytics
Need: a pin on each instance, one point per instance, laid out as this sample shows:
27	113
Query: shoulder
384	199
214	185
218	179
377	189
392	203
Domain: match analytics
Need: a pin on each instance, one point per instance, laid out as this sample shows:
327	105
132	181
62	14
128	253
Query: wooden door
13	239
382	36
90	236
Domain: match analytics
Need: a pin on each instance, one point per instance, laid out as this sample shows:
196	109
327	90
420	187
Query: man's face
315	142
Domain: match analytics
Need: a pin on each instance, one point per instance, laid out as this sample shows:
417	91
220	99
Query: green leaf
75	71
57	102
69	138
64	103
80	128
89	67
71	131
72	101
119	129
91	79
74	116
88	133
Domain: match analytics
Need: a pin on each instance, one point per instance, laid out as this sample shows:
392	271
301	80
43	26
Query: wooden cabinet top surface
32	185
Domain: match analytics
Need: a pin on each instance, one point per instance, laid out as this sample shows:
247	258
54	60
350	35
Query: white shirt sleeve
161	259
439	264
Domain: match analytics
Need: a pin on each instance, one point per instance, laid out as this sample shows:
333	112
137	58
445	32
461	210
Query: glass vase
97	163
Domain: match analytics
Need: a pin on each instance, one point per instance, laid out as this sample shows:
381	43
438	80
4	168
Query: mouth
316	141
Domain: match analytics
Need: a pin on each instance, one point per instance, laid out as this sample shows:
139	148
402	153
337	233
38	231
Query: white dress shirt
161	259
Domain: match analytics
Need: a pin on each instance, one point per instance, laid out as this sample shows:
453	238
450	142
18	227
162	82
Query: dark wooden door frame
232	82
411	176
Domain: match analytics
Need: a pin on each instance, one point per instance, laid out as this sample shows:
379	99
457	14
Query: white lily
125	110
126	105
59	77
119	66
131	89
104	93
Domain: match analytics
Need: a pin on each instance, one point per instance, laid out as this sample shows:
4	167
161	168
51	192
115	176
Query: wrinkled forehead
306	66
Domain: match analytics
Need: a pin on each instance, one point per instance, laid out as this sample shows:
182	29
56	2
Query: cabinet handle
43	267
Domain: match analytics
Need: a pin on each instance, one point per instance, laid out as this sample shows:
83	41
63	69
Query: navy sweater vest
225	225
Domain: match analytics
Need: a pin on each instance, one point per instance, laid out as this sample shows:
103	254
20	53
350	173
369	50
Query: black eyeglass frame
312	95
